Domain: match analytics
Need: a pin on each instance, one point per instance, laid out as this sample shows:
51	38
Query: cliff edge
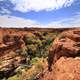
64	57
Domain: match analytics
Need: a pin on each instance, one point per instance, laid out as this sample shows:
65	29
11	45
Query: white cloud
11	21
67	23
4	11
38	5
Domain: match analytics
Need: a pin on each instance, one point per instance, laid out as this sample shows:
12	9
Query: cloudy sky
40	13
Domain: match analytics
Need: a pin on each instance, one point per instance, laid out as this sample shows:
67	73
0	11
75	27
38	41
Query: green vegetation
14	78
37	45
25	73
36	52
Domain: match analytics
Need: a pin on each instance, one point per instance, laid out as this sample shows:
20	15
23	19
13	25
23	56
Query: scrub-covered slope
24	52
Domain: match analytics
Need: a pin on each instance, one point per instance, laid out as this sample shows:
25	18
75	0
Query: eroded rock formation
10	41
64	69
64	57
67	44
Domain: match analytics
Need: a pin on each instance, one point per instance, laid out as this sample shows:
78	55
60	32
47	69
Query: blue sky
40	13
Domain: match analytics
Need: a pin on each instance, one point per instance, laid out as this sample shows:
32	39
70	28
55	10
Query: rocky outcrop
64	57
9	62
67	69
12	40
67	44
64	69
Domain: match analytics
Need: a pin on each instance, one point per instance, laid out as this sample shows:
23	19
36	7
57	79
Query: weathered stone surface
64	69
67	69
66	44
64	57
9	63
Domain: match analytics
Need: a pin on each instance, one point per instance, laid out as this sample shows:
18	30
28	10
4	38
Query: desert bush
29	39
14	78
36	47
35	70
6	38
35	60
21	52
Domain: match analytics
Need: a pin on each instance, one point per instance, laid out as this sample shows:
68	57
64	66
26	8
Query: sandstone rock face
64	69
67	69
64	57
67	44
10	41
9	62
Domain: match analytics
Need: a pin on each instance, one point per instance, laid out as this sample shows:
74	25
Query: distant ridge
38	29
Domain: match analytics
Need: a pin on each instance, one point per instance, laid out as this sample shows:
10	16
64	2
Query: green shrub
14	78
21	52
